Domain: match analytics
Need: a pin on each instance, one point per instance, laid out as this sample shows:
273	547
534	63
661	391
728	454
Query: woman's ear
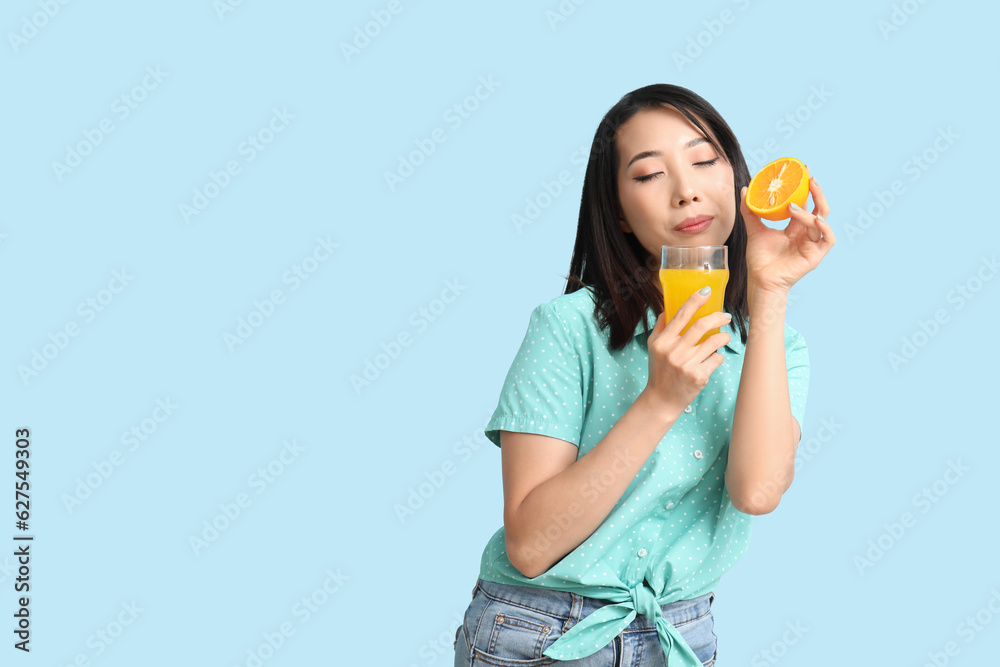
624	226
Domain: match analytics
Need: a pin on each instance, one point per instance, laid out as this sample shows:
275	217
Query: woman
633	458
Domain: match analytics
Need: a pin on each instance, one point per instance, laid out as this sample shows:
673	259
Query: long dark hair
613	264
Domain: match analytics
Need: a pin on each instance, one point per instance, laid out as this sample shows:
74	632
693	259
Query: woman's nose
684	193
684	190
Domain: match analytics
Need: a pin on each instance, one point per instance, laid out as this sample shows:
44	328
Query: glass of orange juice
684	270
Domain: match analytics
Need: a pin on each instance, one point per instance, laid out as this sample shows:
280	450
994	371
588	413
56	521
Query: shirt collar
734	346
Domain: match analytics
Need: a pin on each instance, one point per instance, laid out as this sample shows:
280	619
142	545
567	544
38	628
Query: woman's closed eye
649	177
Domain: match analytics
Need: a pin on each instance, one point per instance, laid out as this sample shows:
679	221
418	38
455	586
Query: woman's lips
695	228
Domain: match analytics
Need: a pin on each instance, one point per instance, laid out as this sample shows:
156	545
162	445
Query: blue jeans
534	618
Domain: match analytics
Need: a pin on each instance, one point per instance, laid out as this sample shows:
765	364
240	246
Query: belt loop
576	608
711	598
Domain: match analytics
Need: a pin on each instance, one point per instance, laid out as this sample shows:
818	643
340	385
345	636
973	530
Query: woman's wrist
657	409
766	307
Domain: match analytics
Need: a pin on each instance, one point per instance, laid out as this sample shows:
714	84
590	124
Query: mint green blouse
675	531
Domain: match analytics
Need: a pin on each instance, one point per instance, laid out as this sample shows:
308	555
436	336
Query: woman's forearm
560	513
764	437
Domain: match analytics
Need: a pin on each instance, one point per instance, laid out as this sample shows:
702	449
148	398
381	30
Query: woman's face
666	176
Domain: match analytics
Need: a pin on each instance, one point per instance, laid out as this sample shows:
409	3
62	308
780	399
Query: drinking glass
686	269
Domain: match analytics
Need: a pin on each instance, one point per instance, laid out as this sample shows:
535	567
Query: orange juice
680	284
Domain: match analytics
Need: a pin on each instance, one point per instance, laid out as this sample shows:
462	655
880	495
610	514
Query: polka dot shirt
675	531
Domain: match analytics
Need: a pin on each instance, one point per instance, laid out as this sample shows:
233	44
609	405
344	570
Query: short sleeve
543	392
797	365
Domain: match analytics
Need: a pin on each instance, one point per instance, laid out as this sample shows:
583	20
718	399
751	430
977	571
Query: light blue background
405	583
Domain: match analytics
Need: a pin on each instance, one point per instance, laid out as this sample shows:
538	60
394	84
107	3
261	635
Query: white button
687	409
670	504
642	552
697	453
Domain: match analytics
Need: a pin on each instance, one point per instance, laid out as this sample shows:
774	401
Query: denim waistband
572	607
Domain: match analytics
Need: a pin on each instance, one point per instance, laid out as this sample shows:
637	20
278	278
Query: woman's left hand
778	258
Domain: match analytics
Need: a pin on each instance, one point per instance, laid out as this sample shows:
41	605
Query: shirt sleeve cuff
539	426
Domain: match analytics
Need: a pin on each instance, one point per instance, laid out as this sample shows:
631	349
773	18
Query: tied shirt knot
600	627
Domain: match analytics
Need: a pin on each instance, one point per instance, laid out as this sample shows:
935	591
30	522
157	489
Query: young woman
633	457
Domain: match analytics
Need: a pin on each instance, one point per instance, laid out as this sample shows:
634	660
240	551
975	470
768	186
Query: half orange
778	184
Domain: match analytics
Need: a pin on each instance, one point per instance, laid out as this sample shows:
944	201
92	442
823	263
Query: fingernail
821	218
705	291
794	207
728	316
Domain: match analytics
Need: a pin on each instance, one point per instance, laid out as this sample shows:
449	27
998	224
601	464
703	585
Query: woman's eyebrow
646	154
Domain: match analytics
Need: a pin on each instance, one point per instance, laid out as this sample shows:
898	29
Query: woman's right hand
679	368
